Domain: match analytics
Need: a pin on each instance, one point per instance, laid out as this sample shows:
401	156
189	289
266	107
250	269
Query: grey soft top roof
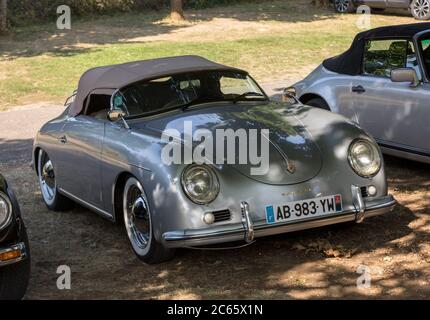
349	62
120	75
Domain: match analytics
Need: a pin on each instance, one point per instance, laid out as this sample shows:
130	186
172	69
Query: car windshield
183	90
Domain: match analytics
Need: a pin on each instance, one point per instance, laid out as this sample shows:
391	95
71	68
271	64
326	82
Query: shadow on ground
16	150
46	39
318	263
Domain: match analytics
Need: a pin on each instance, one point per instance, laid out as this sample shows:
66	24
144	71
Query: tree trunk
3	15
177	12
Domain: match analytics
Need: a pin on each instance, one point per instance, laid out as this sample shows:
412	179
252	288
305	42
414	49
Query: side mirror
405	75
289	95
115	115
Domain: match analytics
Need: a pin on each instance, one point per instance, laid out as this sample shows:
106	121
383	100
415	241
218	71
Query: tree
177	11
3	15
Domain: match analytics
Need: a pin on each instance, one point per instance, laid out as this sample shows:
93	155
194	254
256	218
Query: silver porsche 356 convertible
383	83
106	151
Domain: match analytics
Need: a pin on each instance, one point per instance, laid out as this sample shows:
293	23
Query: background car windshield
175	91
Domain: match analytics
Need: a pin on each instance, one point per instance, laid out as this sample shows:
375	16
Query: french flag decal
338	202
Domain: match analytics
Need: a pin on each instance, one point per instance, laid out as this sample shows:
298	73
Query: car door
396	114
398	3
82	140
374	3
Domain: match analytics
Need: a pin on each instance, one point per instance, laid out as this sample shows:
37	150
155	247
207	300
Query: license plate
304	209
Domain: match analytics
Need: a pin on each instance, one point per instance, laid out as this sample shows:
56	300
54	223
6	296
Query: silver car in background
420	9
381	83
105	152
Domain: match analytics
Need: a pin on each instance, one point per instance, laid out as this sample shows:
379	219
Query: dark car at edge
14	247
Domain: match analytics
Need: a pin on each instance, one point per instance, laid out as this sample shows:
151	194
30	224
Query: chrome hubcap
137	217
46	177
421	8
341	5
48	174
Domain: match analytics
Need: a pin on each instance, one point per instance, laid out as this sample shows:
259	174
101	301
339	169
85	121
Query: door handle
358	89
63	139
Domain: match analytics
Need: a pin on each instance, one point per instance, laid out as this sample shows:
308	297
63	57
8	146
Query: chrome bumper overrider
248	230
19	248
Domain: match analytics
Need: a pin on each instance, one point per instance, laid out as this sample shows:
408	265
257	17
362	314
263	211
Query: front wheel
139	227
14	278
318	103
420	9
344	6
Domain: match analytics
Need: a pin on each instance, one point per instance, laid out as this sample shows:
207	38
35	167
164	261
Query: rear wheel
344	6
48	185
14	278
139	227
421	9
318	103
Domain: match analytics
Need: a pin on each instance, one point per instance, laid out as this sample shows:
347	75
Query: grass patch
56	74
272	40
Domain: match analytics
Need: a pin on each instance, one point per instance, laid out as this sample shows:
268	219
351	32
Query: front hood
293	155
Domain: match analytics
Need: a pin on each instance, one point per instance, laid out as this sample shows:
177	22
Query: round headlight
5	210
364	158
200	184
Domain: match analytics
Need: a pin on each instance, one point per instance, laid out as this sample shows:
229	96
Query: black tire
14	278
344	6
420	9
138	225
318	103
53	200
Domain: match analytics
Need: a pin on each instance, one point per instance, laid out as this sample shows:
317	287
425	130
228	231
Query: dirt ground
319	263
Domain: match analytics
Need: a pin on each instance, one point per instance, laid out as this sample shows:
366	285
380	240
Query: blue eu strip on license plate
304	209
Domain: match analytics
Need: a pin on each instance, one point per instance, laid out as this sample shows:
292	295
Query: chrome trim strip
236	232
6	199
19	246
86	204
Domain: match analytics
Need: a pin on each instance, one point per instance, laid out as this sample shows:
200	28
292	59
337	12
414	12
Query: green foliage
23	12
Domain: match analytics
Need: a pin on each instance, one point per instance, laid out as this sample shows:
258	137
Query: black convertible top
349	62
117	76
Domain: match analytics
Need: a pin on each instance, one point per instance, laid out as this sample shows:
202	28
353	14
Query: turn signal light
10	255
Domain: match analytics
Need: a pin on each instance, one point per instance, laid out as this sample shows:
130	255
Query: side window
425	53
380	56
98	106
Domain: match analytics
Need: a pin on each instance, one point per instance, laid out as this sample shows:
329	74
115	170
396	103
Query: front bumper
13	254
248	229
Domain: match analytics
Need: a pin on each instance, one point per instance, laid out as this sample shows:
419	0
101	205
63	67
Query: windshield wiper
192	102
247	94
236	99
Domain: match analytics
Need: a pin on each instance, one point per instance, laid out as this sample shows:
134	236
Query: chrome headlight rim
5	198
214	188
373	146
